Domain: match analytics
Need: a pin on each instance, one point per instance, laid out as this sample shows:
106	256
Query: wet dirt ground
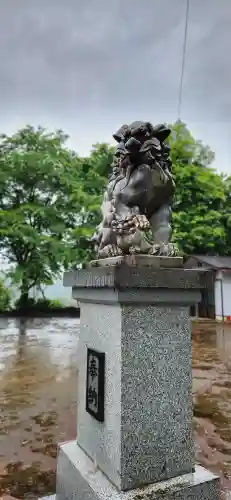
212	398
38	387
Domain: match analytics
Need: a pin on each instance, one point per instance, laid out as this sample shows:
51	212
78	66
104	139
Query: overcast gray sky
87	66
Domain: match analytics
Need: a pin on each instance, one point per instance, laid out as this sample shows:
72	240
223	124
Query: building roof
216	261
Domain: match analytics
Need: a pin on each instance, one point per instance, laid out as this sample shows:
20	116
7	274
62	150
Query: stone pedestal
141	446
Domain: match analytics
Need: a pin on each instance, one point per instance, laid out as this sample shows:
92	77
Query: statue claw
165	250
110	251
155	250
134	250
141	222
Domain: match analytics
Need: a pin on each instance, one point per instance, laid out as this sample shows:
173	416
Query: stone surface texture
123	283
79	478
123	276
49	497
140	260
147	433
140	318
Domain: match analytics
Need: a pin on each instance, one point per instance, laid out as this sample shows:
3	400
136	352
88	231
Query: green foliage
200	200
93	176
201	207
40	199
5	297
40	305
50	203
54	304
227	213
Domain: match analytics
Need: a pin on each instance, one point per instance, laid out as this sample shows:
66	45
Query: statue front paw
155	250
165	250
170	250
110	251
141	222
130	224
134	249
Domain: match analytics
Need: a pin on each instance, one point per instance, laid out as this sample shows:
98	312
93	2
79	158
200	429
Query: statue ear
132	145
161	132
153	144
121	133
150	128
120	149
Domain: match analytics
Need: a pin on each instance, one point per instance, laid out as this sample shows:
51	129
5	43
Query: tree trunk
24	297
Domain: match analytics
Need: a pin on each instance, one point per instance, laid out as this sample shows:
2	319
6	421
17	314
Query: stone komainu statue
136	207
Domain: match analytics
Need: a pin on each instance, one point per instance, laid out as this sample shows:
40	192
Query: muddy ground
38	387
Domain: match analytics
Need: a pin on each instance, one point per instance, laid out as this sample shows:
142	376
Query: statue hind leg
160	223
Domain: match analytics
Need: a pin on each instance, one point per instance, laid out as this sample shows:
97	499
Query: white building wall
223	295
227	294
218	296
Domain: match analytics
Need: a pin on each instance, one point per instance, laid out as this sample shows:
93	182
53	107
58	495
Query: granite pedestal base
79	479
139	319
141	446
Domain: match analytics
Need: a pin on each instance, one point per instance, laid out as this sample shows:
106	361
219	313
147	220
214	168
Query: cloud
88	54
208	73
87	65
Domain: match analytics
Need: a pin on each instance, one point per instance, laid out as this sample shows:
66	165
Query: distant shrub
41	305
49	304
30	304
5	297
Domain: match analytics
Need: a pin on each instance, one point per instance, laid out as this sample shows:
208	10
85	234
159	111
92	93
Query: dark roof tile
216	261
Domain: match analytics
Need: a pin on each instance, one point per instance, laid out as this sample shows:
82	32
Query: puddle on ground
38	387
212	397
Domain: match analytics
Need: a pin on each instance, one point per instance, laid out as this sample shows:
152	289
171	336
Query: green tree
200	200
199	221
40	201
50	202
5	297
92	175
227	214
